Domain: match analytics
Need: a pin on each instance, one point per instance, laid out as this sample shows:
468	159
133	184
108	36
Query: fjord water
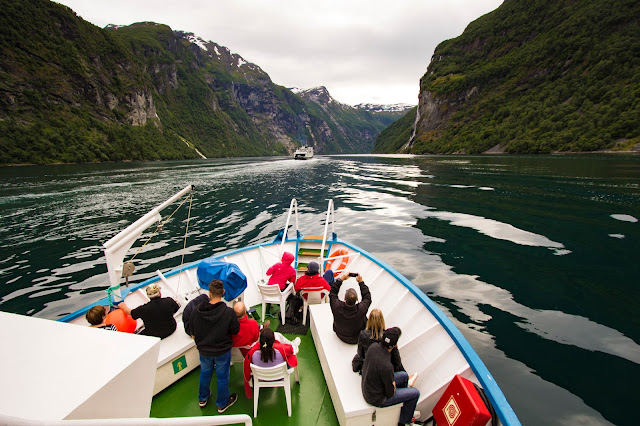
535	259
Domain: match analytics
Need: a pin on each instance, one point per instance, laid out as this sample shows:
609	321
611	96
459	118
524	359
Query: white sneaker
296	344
412	381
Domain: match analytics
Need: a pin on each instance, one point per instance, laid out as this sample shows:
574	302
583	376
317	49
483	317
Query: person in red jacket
249	329
282	272
285	350
312	279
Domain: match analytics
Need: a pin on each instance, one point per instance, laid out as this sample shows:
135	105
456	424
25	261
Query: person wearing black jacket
212	325
189	309
156	314
370	335
349	316
383	387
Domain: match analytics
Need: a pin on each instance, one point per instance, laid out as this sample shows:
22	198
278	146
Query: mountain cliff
533	76
342	128
73	92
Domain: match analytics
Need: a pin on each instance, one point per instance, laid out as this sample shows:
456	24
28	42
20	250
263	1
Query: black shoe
232	400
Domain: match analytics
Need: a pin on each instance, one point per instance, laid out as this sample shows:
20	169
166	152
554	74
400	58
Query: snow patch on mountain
197	41
384	108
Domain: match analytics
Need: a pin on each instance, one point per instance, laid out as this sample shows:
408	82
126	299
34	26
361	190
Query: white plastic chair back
312	296
271	377
271	293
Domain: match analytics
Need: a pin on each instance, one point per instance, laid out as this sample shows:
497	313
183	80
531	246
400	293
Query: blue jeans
328	277
403	394
221	364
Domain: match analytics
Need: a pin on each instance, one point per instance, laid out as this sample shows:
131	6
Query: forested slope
73	92
535	76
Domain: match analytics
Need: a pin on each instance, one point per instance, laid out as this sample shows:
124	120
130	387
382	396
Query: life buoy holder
343	261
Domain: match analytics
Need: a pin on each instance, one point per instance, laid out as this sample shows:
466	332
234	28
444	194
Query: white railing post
293	207
330	217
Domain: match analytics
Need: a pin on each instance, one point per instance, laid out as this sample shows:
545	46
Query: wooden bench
344	385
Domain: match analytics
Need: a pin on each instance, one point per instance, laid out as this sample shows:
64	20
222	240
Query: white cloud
362	51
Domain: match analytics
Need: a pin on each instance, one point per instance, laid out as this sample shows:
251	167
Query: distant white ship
303	153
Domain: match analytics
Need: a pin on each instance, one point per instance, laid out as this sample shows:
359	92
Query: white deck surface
56	371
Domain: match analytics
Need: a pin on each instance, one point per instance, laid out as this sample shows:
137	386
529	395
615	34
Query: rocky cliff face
434	112
72	92
332	124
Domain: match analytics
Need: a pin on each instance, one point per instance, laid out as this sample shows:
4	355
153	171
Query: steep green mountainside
397	135
65	86
73	92
534	76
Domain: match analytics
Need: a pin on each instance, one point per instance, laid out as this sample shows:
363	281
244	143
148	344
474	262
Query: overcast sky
363	51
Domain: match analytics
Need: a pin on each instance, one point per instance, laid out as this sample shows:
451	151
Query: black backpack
293	314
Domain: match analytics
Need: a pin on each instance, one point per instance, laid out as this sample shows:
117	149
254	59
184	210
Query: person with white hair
157	313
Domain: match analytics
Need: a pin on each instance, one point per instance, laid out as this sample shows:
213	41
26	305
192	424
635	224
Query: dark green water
535	259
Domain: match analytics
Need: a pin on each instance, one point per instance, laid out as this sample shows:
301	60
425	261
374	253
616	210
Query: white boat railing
330	219
263	267
293	208
329	229
186	421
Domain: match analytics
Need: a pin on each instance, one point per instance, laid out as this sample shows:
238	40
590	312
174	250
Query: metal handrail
292	207
330	218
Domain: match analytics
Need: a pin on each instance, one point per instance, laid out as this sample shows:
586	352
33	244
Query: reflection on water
499	230
624	217
533	258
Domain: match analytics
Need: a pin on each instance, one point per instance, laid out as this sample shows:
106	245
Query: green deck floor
310	399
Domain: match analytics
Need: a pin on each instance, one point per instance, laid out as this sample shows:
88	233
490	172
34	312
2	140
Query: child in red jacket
282	272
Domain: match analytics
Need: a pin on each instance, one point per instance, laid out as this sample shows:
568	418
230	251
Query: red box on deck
461	405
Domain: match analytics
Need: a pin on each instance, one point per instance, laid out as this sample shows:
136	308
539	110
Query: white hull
429	345
304	153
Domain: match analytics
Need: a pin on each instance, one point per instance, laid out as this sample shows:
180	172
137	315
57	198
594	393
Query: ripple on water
624	218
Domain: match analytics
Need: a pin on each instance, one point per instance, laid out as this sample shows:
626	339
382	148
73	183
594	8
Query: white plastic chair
271	294
314	296
271	377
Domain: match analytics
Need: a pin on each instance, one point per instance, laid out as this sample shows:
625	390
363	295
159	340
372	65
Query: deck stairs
309	249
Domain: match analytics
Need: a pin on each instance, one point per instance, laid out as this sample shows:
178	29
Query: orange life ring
343	261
